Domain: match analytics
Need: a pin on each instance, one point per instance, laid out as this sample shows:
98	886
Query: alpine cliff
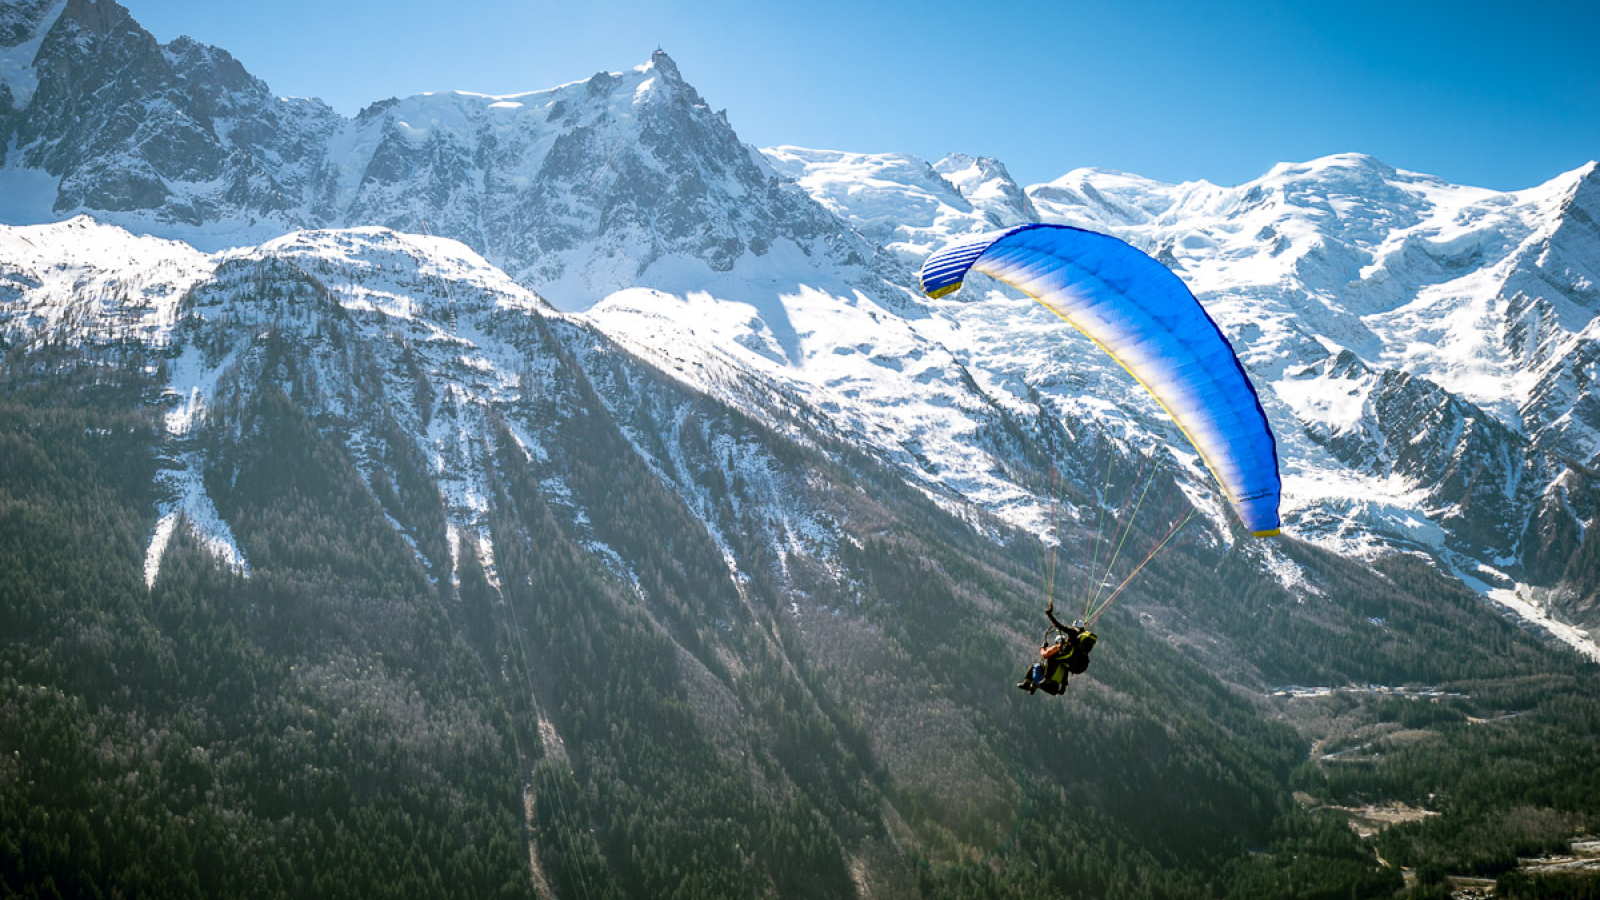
581	189
551	495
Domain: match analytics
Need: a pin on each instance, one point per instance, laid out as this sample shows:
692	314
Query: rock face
181	132
985	181
580	189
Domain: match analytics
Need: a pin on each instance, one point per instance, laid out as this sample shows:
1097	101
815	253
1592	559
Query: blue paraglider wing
1144	317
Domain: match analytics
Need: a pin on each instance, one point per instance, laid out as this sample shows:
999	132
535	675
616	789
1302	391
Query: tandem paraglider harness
1050	673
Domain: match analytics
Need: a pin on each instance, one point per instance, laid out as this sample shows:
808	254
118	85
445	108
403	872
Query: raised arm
1050	612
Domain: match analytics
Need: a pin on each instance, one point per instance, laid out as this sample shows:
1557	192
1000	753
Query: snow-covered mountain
1423	349
1416	343
582	189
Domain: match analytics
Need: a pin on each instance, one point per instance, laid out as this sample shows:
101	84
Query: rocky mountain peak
1556	272
662	63
600	83
550	185
1581	209
22	20
211	71
103	18
582	190
984	181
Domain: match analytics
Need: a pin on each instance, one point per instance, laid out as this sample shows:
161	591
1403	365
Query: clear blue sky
1502	95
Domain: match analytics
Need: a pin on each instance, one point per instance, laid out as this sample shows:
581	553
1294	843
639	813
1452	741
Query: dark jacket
1072	656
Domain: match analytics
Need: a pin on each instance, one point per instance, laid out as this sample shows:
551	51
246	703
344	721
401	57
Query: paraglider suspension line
1098	611
1099	526
1124	529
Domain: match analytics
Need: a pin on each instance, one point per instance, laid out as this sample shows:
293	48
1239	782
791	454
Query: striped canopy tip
943	272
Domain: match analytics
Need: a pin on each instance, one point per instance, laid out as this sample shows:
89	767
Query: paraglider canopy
1144	317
